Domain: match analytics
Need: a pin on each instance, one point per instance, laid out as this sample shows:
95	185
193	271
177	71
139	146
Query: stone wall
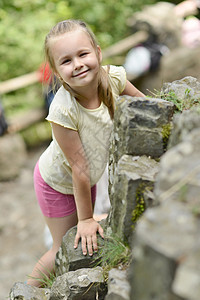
154	208
137	141
166	243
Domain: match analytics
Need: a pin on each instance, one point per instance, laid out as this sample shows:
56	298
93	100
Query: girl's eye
66	61
83	54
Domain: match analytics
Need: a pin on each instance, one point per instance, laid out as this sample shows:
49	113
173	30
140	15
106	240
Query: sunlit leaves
25	23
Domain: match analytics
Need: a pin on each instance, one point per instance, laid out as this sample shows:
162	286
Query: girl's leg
58	227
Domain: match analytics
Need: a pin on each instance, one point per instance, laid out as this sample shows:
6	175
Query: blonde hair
104	88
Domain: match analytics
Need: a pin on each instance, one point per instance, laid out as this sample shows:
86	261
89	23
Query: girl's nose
77	63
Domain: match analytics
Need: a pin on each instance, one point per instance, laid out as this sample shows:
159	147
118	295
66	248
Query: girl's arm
70	143
131	90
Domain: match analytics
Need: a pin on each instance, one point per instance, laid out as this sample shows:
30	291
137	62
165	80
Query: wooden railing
33	116
18	83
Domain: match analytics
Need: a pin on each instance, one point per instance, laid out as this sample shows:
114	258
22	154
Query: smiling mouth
81	73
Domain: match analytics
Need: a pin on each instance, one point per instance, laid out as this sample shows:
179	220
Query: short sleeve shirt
94	127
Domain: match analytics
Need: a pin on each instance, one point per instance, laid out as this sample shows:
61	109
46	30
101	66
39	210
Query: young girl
81	118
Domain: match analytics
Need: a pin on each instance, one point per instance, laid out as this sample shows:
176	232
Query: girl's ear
99	53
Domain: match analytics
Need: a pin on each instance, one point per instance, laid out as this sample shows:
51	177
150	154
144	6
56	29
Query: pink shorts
54	204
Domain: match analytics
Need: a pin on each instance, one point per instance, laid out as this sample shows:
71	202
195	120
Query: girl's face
75	59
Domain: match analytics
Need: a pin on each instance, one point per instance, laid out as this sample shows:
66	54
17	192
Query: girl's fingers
89	245
83	243
94	242
77	237
88	240
100	229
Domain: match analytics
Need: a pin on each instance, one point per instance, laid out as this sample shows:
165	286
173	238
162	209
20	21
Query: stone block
23	291
138	126
184	89
118	285
135	176
12	155
70	259
164	237
187	279
183	124
84	284
179	174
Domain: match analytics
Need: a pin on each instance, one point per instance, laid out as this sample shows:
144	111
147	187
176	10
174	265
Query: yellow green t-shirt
94	127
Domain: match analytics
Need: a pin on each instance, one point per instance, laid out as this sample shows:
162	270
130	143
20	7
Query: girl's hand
86	230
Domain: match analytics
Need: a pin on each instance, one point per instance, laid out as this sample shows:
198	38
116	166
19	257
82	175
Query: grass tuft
181	104
113	254
46	277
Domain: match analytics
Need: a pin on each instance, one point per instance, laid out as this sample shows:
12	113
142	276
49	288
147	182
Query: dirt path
21	227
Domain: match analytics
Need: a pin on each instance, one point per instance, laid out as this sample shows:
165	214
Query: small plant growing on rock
166	131
140	202
181	104
114	254
139	209
46	280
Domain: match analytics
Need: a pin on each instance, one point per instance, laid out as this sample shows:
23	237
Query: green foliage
107	18
27	98
181	104
22	31
25	23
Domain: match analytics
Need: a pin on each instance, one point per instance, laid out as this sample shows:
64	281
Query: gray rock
138	126
179	175
164	237
185	88
183	124
22	291
118	285
12	155
166	242
187	280
70	259
135	177
84	284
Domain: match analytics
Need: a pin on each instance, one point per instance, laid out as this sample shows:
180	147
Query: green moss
166	131
140	206
140	203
